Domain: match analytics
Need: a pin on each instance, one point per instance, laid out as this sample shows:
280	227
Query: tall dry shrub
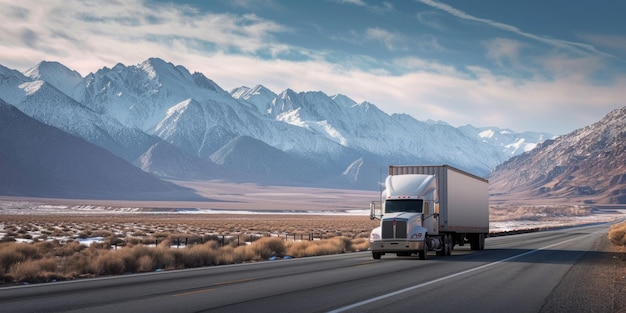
617	234
145	263
298	249
244	254
34	271
12	253
269	246
360	244
320	247
198	255
69	248
225	255
108	263
9	256
163	257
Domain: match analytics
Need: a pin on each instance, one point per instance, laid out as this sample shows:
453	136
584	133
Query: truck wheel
422	253
477	241
481	241
474	243
376	255
449	244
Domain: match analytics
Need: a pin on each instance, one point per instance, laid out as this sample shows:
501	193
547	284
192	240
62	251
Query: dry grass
617	234
43	262
128	242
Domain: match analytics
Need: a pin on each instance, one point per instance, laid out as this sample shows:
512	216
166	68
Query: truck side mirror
376	212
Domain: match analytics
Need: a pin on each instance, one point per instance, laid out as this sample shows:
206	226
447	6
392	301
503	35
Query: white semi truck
429	208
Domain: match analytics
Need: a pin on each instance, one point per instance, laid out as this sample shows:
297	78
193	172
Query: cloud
574	47
616	42
392	41
430	19
382	8
503	48
73	26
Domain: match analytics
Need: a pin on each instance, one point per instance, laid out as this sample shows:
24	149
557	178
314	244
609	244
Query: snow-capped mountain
140	96
47	104
172	123
512	143
57	75
259	96
588	165
397	138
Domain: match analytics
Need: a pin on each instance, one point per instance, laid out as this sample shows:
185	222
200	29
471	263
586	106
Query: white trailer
430	208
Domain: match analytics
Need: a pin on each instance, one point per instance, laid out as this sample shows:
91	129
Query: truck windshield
405	205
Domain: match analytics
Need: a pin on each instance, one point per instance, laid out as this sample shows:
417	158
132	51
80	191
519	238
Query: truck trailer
429	208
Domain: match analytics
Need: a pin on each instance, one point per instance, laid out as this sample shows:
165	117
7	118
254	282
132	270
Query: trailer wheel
481	241
477	241
376	255
474	243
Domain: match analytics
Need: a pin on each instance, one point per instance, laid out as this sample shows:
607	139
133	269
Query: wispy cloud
574	47
430	19
385	6
392	41
616	42
78	27
504	51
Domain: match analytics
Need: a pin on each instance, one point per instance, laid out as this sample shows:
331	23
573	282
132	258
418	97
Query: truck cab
408	213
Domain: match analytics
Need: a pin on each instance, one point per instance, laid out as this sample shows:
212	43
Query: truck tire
477	241
448	243
422	253
474	242
376	255
481	242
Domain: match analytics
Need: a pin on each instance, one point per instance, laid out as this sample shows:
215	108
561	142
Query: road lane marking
211	289
401	291
366	263
192	292
233	282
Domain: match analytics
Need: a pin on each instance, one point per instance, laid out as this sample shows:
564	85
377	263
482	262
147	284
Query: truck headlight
374	236
416	236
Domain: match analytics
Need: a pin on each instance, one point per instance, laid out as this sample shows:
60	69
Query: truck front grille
390	232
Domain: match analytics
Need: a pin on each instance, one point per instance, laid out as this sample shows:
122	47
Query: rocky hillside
586	166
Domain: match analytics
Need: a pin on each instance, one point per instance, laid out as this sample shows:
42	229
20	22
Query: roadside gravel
596	283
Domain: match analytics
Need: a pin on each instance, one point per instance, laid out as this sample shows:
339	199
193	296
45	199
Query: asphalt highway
513	274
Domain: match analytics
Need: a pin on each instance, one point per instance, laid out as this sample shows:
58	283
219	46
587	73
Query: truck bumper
383	246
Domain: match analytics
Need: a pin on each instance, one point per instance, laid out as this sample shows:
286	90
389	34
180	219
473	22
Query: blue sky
552	66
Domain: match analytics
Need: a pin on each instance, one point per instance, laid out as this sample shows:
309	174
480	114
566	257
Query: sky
549	66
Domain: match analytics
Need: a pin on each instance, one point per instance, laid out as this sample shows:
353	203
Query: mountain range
171	123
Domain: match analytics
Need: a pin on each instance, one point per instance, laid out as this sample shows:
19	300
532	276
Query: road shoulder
596	283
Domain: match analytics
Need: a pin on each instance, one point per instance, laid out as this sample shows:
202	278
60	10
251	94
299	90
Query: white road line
401	291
